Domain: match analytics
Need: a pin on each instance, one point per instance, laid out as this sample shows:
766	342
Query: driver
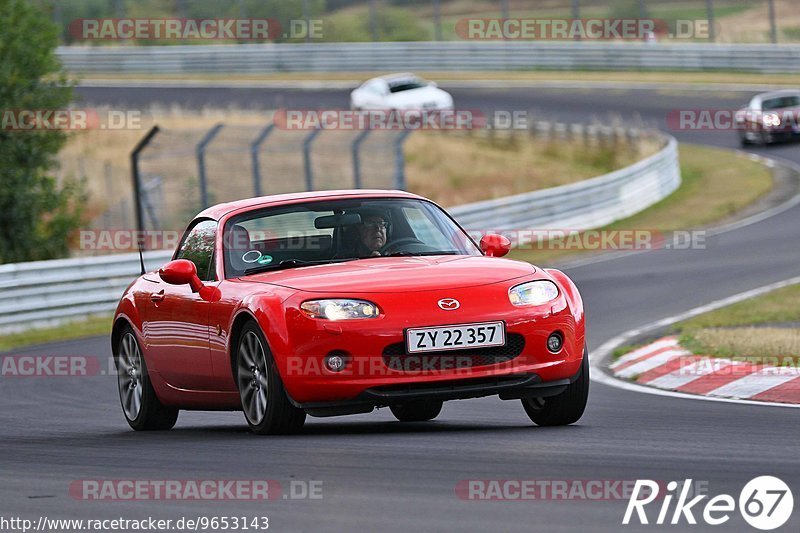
372	233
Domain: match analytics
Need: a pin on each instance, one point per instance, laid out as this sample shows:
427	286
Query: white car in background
770	117
400	92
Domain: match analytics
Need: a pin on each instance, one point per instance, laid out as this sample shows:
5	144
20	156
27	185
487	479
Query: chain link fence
183	171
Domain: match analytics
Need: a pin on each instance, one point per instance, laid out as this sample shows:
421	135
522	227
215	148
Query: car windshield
782	102
332	231
396	86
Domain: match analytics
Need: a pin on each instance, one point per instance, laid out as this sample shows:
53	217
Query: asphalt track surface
379	474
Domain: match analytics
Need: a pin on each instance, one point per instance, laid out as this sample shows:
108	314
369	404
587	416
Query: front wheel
565	408
417	411
142	408
265	403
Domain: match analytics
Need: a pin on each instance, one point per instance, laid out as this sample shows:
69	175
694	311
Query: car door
176	328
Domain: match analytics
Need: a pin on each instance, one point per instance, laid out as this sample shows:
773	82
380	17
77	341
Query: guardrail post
399	161
200	150
354	148
255	146
307	158
137	192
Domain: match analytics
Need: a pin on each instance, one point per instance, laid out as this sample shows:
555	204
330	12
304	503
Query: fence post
137	193
712	34
399	161
255	146
307	158
773	25
354	149
200	150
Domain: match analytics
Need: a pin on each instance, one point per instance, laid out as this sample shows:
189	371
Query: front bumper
507	387
371	378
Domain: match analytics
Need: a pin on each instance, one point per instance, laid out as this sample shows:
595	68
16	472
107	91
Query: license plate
455	337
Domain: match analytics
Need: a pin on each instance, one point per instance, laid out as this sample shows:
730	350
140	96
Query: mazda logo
449	304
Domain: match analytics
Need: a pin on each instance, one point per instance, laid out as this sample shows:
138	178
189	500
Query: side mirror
433	84
181	272
495	245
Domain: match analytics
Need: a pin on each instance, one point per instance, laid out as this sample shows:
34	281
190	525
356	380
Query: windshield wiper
291	263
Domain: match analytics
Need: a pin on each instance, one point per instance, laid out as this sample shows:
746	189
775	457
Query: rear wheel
141	406
565	408
265	403
417	411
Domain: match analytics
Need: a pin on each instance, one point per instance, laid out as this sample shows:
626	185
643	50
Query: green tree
37	213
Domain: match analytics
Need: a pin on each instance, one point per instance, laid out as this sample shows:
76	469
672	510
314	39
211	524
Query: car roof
395	78
218	211
778	94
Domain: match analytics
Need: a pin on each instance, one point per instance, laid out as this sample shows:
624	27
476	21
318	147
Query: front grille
396	358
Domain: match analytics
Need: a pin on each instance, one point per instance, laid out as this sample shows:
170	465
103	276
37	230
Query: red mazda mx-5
333	303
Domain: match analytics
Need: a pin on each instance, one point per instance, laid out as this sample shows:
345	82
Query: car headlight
533	293
772	119
340	309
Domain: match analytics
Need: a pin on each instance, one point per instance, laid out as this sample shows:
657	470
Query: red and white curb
664	364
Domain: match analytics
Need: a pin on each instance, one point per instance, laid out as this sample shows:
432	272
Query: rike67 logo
765	503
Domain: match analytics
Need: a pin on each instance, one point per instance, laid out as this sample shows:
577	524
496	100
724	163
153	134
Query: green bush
37	214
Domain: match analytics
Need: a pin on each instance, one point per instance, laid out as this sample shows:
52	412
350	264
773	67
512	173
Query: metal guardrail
44	293
430	56
579	206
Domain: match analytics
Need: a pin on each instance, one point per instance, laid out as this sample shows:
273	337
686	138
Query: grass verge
766	326
95	325
469	168
716	184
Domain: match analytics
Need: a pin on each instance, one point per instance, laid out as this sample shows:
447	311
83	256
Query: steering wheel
396	244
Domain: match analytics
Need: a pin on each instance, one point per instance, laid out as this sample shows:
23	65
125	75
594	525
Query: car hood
397	274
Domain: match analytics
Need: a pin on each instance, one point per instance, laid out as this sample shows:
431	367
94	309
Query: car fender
574	300
127	311
266	308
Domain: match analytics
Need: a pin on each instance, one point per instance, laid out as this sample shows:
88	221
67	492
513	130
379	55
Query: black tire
256	370
744	140
133	383
567	407
417	410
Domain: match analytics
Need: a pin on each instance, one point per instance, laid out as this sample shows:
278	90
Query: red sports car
338	302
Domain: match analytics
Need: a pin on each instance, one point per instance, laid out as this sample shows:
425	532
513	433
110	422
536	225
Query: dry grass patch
731	332
778	344
779	306
716	184
453	168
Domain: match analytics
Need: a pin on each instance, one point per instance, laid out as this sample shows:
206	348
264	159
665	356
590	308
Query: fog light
335	363
554	342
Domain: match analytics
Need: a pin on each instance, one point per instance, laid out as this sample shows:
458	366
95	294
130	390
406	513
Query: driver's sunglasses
375	225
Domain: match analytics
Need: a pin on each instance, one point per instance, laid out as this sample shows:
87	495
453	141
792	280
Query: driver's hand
376	253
